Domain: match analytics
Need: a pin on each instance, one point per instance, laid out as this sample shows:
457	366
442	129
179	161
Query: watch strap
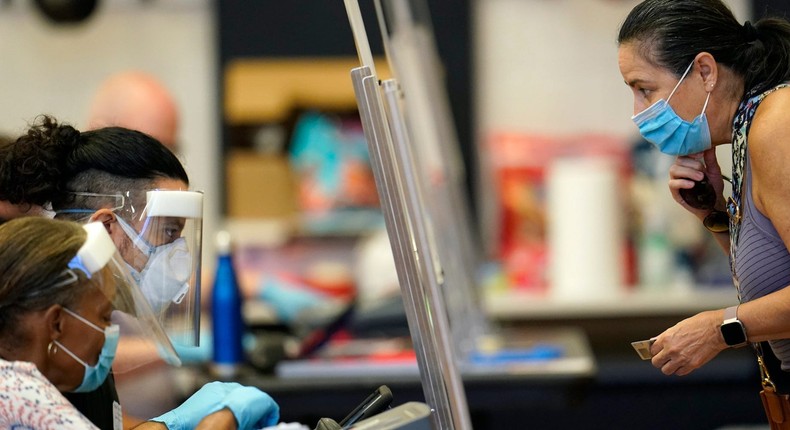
730	322
731	313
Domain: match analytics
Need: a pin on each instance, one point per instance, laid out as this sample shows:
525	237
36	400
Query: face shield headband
100	264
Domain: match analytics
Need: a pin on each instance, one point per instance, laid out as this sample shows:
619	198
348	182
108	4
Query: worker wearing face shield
138	190
159	233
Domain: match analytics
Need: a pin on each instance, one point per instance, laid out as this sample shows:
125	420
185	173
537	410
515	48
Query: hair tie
749	32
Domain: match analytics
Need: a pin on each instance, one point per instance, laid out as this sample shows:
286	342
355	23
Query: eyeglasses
702	196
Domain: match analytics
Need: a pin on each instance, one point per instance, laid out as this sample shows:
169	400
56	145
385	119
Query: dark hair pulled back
672	33
32	167
39	166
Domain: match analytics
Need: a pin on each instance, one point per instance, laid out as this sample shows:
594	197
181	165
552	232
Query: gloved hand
206	400
202	354
252	408
196	354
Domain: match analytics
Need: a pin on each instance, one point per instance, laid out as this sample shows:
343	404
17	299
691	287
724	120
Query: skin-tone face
137	101
651	83
164	230
82	340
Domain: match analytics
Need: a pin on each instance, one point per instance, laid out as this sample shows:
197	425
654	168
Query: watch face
733	333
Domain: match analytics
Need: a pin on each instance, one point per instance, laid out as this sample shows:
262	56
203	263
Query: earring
52	349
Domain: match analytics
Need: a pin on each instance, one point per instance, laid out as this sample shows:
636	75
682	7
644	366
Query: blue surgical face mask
95	375
671	134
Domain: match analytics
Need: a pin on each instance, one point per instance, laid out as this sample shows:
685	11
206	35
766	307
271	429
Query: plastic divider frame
411	52
430	264
405	220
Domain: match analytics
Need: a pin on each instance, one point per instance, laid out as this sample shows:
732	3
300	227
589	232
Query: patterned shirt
28	401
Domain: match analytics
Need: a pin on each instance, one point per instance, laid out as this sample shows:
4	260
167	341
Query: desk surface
524	353
622	392
307	401
552	384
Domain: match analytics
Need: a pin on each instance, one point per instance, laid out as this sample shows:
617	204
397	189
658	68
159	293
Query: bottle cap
223	242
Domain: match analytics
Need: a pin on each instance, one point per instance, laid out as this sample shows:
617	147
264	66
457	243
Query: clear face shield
165	258
161	245
99	263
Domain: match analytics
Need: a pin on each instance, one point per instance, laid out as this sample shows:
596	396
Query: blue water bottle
227	322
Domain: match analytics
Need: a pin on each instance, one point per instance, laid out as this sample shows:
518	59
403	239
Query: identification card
117	416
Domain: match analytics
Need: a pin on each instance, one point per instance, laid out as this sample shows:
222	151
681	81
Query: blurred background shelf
514	306
264	90
610	324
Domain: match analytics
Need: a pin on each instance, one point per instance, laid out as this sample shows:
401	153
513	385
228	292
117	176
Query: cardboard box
259	186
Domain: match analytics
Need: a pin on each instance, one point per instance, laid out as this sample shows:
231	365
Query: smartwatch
732	330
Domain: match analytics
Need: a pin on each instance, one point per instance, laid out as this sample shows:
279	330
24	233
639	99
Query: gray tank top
761	259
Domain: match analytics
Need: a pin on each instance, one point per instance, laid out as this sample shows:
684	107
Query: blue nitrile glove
196	354
202	353
252	408
206	400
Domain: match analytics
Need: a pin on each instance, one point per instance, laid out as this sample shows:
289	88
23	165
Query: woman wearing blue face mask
59	285
701	79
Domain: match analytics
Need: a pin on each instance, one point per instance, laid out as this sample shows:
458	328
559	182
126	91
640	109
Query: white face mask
165	277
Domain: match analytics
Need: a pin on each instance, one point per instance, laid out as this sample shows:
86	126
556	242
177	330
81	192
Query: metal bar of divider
427	322
432	270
